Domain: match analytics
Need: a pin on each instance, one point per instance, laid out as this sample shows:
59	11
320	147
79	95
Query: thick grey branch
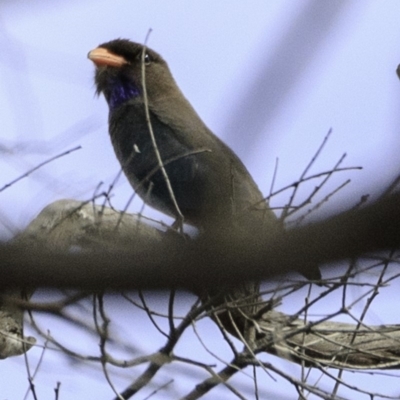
334	344
12	340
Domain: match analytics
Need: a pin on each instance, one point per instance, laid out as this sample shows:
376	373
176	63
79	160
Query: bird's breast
185	168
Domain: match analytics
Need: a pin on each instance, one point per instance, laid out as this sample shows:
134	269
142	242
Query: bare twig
153	139
26	174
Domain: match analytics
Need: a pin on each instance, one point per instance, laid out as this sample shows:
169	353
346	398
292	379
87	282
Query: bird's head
119	65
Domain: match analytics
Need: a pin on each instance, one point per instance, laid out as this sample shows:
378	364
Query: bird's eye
147	59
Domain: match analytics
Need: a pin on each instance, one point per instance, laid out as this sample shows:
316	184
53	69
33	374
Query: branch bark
329	343
12	340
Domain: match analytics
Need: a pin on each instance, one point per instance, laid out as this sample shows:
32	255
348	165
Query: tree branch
137	256
88	253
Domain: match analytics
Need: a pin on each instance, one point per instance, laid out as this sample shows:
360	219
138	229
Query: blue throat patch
121	91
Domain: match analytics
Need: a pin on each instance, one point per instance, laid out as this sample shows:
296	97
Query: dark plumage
211	185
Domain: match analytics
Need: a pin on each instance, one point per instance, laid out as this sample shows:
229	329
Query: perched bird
210	184
186	170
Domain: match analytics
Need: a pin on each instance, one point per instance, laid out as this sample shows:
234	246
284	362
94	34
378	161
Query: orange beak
101	56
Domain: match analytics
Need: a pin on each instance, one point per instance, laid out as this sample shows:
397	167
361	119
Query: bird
211	186
172	159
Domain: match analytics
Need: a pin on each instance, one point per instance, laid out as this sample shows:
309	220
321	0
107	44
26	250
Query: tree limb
137	256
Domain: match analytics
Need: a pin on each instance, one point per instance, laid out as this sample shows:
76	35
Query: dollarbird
175	163
209	184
